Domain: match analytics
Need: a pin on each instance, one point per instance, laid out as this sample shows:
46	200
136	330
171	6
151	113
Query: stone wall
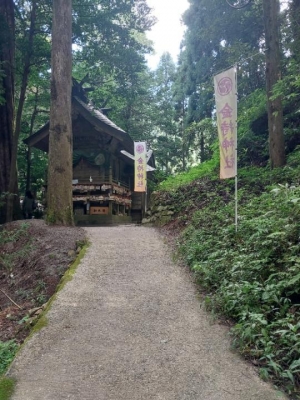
159	212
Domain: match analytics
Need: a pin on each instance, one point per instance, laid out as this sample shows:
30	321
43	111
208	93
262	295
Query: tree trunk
13	182
32	120
273	75
59	196
202	150
28	171
295	25
7	56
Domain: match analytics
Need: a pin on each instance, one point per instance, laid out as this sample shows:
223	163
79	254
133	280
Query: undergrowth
6	388
251	276
184	178
7	352
10	237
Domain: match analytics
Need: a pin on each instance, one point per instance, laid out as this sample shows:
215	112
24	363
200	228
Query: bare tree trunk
28	171
202	151
32	120
59	196
273	75
7	56
295	25
13	182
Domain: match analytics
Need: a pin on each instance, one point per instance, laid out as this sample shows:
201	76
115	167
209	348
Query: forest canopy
172	107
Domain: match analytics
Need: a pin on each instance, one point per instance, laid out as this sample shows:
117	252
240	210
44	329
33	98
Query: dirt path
129	327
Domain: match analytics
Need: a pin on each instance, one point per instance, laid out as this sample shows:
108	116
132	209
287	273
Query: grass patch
208	168
7	353
6	388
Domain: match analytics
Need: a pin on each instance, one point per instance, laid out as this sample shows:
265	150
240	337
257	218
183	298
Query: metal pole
236	200
236	173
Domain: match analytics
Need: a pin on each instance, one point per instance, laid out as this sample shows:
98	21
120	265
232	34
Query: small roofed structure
103	177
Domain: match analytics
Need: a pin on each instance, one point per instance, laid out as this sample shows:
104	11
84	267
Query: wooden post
110	175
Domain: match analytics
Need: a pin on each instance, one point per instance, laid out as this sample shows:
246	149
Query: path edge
7	383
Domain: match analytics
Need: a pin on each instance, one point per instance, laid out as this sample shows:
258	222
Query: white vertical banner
226	104
140	167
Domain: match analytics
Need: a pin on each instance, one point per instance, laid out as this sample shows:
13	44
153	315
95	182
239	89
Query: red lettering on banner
226	144
230	161
226	111
225	128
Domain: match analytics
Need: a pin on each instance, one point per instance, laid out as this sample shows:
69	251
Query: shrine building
103	177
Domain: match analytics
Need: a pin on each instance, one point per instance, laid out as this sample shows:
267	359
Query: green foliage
252	276
217	37
109	56
7	236
7	353
156	178
289	90
208	168
6	388
253	129
8	259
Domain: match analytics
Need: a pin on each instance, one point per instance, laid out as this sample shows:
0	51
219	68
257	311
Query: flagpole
236	196
235	158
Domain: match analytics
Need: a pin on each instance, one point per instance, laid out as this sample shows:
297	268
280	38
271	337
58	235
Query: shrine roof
96	117
99	114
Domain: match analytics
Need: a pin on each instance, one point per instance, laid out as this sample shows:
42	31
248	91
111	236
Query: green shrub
6	388
7	353
253	275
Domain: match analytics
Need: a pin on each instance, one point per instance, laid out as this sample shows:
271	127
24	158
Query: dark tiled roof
40	139
98	114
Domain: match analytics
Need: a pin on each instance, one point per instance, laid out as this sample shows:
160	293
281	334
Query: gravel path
129	326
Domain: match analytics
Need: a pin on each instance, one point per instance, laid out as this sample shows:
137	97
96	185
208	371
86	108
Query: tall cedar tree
7	55
13	181
59	207
273	75
295	25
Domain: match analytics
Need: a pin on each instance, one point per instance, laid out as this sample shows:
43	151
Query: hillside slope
251	276
33	258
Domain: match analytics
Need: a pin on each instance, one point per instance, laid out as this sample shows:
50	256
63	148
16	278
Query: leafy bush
253	276
184	178
6	388
7	259
7	353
